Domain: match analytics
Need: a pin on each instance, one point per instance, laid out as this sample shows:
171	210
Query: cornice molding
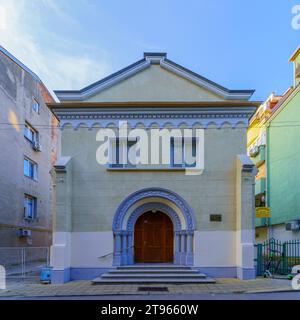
149	119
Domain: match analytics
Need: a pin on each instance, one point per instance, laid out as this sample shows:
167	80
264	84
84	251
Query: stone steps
155	271
152	274
99	281
154	267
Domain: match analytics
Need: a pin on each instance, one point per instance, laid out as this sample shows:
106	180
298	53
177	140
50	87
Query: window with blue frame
30	169
36	106
30	207
30	133
120	153
183	152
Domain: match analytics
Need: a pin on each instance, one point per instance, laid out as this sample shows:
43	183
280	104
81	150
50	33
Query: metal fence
24	262
279	257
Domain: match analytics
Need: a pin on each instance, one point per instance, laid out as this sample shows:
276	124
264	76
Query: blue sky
69	44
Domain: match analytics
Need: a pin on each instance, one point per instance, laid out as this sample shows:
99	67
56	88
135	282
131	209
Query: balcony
260	186
259	156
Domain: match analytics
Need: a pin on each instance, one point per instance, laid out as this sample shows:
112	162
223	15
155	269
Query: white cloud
2	18
58	69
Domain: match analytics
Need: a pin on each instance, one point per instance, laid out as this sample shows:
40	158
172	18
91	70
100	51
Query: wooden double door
153	238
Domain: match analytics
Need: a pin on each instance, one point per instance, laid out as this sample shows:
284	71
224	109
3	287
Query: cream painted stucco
96	192
155	84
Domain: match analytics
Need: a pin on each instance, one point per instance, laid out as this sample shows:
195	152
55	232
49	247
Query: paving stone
26	288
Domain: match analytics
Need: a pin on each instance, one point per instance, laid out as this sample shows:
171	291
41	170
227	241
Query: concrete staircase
153	274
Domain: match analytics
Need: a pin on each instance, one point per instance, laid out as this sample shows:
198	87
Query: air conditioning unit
36	146
292	225
24	233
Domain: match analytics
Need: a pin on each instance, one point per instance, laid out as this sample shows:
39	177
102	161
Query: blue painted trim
60	276
69	274
246	273
218	272
154	192
171	213
87	273
229	272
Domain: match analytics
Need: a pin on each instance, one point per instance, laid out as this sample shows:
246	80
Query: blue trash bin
46	275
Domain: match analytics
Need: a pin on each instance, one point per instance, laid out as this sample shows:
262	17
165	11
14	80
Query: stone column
117	254
190	252
177	248
124	248
183	248
130	248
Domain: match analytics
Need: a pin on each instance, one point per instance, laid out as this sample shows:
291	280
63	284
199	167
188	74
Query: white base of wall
212	249
215	248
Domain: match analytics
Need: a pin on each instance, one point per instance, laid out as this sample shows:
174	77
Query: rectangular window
36	106
30	169
119	155
30	207
30	133
183	152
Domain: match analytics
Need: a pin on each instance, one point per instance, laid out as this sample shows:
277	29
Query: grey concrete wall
17	92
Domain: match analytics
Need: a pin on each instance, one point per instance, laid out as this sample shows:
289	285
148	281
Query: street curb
272	291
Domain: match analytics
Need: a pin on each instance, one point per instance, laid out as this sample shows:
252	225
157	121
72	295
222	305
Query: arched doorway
153	238
154	200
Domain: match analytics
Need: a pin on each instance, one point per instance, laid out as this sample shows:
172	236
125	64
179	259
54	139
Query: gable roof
152	58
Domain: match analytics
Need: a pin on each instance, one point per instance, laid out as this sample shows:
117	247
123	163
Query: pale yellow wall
96	192
155	84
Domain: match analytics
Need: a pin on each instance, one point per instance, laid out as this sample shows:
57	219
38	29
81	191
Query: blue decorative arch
157	193
123	236
154	206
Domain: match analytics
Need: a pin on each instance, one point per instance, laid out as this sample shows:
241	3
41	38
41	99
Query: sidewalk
26	288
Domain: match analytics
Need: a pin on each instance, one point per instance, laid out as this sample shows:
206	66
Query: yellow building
257	146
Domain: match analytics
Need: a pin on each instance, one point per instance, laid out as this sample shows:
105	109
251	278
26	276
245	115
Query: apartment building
29	141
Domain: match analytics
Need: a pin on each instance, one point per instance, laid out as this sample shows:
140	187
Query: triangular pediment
154	78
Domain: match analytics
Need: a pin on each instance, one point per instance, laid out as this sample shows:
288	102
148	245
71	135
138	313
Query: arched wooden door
153	238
